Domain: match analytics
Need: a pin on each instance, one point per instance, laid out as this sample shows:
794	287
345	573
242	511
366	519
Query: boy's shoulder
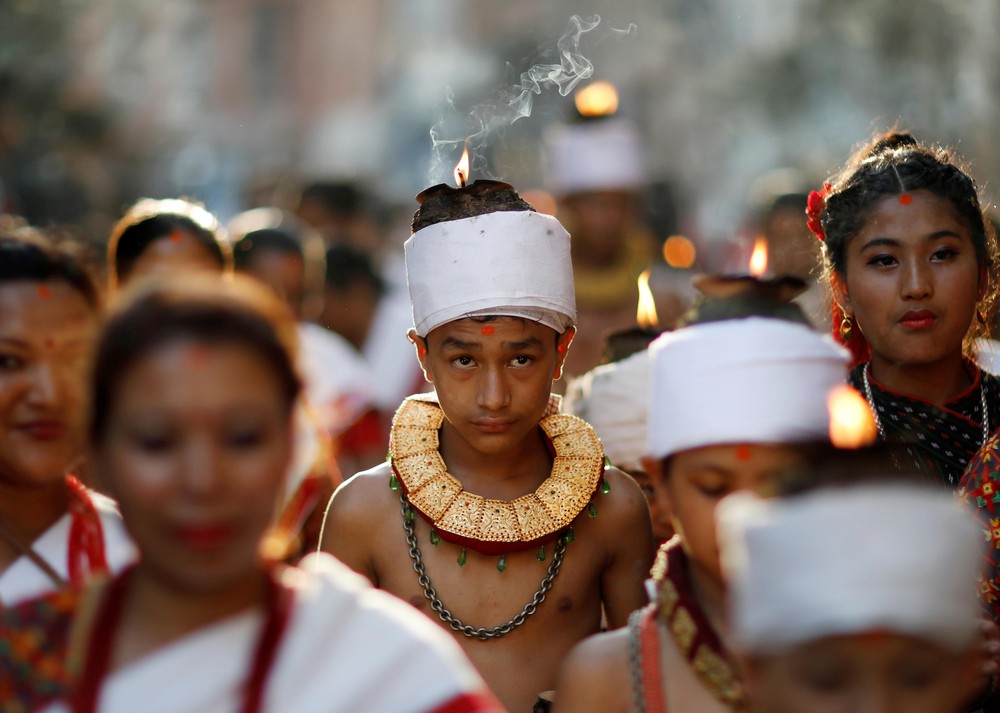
367	494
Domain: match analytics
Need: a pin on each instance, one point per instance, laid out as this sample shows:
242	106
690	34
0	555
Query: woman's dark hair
27	255
150	220
893	164
197	309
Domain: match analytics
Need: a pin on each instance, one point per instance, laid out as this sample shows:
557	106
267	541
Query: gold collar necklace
486	525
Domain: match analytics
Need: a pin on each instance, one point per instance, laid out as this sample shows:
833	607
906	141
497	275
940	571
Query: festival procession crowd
786	499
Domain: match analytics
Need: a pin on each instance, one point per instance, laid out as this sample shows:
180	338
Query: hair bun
893	140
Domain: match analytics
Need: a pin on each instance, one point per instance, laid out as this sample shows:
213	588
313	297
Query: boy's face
876	673
694	482
493	379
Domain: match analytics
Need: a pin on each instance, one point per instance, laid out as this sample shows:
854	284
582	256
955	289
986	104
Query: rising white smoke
478	127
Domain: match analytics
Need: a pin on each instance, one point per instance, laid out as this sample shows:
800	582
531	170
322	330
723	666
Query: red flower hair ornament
814	210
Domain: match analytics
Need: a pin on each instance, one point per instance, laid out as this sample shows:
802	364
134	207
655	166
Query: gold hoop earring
846	327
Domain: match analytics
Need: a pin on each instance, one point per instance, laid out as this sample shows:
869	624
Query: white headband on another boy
849	560
510	263
752	380
605	155
614	399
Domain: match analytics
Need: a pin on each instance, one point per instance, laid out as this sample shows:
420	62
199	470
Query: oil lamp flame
758	259
852	424
597	99
645	314
462	169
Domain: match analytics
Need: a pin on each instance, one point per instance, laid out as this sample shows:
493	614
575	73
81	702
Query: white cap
753	380
841	561
614	399
593	156
511	263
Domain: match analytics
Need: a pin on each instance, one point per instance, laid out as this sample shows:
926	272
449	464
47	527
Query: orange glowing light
645	314
852	424
462	168
758	259
679	252
597	99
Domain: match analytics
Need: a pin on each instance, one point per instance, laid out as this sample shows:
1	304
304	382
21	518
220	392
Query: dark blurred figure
374	315
276	248
352	292
340	211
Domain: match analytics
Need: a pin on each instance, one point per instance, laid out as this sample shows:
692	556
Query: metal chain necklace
473	632
878	421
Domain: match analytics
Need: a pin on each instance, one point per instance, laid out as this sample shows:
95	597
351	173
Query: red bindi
906	199
197	356
873	639
176	236
743	453
489	330
44	291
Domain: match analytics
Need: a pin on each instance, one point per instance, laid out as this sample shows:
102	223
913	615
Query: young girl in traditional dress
909	259
54	531
193	393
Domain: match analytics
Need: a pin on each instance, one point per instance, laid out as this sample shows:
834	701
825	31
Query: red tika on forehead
196	356
44	291
743	453
906	199
489	330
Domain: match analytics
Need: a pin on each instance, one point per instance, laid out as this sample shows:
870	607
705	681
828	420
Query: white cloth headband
595	156
754	380
850	560
514	263
614	399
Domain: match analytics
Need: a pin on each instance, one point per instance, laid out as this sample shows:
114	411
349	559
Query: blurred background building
240	102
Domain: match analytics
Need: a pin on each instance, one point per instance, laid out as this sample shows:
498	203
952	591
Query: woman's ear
420	344
562	347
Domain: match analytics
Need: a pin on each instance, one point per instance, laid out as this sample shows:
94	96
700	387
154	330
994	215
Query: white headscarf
850	560
753	380
512	263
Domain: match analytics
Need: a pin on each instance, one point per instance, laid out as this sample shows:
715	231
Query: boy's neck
935	383
502	476
711	597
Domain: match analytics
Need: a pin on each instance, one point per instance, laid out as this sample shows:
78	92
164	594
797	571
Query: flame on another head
462	169
852	424
597	99
758	259
645	314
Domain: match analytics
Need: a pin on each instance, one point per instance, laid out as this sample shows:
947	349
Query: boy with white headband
518	534
729	399
613	398
856	598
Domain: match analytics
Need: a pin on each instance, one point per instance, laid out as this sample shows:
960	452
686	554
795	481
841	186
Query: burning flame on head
852	424
645	314
758	259
462	168
597	99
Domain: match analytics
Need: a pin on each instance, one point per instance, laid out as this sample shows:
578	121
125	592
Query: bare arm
595	676
630	548
351	519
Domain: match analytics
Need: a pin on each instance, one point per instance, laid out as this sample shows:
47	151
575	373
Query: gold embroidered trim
577	470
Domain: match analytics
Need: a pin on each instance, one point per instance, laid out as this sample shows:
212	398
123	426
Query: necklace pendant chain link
456	624
878	421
